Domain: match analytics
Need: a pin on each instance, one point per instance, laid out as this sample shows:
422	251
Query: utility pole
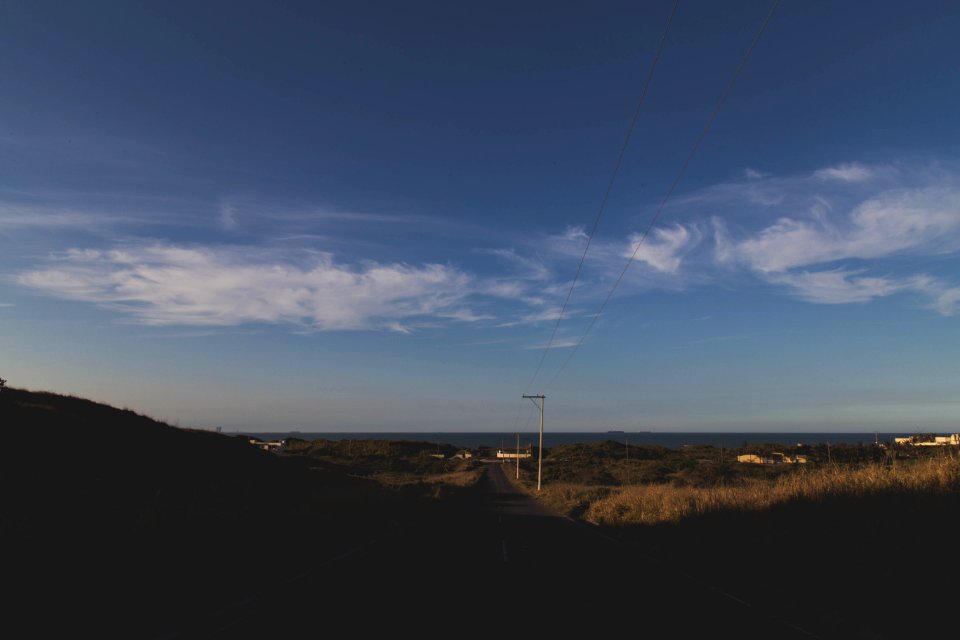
518	456
539	405
626	441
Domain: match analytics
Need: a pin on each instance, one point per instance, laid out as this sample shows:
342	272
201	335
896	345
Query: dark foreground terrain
115	525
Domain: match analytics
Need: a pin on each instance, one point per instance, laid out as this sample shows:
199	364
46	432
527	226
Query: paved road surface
499	561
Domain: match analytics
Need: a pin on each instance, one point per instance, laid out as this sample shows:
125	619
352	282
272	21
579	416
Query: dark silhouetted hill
133	525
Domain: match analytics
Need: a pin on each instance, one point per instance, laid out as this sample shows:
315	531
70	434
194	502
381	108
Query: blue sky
366	216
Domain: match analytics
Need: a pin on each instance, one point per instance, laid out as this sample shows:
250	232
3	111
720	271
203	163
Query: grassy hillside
169	521
661	485
857	547
420	469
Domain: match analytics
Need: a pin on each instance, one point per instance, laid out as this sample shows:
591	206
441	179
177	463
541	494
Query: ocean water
672	440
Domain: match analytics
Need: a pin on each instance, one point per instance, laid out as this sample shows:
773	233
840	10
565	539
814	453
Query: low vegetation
853	544
654	503
409	467
601	484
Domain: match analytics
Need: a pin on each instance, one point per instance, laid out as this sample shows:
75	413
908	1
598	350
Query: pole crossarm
534	399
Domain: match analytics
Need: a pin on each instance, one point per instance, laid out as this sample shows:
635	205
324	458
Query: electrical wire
673	185
606	194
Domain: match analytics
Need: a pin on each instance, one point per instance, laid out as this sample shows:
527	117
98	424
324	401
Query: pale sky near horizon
366	216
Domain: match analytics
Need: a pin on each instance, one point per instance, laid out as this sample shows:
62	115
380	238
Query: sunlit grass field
658	502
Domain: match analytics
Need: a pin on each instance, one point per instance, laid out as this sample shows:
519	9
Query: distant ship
614	431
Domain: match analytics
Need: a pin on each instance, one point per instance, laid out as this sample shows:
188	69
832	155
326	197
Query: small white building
269	445
773	458
508	454
938	441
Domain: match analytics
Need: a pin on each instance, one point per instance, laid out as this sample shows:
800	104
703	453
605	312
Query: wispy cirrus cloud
892	222
532	268
946	300
848	172
840	286
507	289
225	286
318	215
537	317
228	215
834	235
271	219
665	247
841	231
657	260
20	217
560	343
295	218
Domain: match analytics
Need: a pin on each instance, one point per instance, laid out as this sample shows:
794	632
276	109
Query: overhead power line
673	185
516	422
606	193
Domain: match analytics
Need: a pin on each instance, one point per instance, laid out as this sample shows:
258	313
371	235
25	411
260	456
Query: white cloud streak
892	222
840	286
824	255
947	301
545	315
14	217
228	215
532	268
296	218
556	344
849	172
665	247
830	236
173	285
660	261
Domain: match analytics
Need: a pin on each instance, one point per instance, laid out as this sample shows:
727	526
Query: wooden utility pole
543	400
518	456
626	441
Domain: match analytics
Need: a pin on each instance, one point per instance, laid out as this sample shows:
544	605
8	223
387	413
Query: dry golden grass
568	497
459	479
655	503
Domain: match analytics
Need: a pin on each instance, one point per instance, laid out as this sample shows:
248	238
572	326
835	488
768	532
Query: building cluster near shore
929	441
775	458
772	458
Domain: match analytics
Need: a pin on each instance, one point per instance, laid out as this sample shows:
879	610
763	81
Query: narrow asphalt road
496	559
